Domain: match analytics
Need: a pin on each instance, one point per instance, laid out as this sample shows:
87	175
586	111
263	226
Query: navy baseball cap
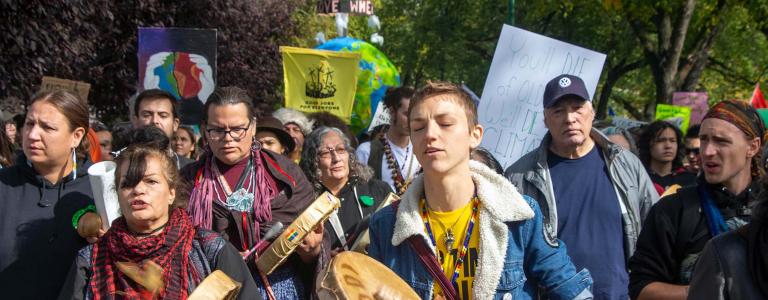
564	85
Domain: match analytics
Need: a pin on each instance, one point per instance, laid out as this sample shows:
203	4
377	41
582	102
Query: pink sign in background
697	101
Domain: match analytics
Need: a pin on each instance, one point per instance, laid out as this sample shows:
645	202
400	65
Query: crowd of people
595	212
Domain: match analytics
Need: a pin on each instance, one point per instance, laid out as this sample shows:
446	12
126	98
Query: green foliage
454	40
739	60
95	41
447	40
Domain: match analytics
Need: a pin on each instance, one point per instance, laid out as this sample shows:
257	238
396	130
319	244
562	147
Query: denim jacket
514	259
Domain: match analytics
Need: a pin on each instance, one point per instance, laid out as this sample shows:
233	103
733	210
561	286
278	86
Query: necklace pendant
448	240
241	200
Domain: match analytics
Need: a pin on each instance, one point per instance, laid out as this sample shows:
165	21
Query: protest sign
679	116
79	88
697	101
181	61
381	116
625	123
355	7
319	80
511	105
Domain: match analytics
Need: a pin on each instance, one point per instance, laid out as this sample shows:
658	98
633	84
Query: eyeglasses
326	153
236	133
694	151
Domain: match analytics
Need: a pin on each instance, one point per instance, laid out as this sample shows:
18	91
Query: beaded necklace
240	198
401	183
463	252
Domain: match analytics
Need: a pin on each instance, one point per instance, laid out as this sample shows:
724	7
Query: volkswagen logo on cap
564	85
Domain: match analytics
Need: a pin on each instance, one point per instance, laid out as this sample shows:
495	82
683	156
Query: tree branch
479	50
677	40
642	34
636	114
614	74
725	70
697	60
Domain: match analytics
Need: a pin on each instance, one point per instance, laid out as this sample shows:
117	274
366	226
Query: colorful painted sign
181	61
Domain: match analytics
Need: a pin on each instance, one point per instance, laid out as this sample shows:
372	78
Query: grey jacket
721	272
530	174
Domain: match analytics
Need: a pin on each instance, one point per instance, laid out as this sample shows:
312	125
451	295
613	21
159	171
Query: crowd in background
645	212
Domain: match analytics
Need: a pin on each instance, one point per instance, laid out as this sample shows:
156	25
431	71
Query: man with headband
679	225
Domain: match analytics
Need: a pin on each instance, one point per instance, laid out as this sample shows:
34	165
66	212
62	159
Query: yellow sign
679	116
319	80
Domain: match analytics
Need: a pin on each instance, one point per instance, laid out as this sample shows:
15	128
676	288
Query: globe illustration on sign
377	74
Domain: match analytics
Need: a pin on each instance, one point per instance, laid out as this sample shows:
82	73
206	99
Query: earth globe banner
181	61
376	74
320	81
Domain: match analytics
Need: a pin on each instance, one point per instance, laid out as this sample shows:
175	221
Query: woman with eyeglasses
40	194
241	191
327	162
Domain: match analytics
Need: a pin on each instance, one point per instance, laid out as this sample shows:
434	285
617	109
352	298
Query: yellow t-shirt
458	221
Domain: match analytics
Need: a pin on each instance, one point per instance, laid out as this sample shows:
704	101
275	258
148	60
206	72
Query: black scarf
730	203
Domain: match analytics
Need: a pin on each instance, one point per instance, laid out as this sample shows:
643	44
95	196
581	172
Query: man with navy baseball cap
593	194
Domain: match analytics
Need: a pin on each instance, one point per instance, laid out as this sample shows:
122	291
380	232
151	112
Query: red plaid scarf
170	250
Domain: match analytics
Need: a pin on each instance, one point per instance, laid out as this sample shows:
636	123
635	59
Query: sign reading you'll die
511	109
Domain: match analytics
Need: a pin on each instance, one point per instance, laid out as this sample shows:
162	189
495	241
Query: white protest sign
511	106
381	116
102	177
625	123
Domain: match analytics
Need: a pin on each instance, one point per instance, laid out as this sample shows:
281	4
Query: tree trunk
614	74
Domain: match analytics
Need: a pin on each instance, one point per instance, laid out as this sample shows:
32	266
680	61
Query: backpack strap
427	257
376	157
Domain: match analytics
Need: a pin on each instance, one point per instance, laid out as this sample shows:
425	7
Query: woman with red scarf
153	227
241	191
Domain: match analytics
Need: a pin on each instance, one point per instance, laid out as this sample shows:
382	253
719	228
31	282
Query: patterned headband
740	114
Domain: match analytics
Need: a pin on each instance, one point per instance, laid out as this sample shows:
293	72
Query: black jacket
38	242
722	271
351	206
675	232
296	195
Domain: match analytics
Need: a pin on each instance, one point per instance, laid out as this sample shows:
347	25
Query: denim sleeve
374	234
550	266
